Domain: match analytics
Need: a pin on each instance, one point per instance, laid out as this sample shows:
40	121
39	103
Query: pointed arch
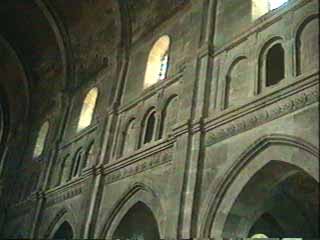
136	193
64	231
138	222
158	61
87	110
63	215
267	149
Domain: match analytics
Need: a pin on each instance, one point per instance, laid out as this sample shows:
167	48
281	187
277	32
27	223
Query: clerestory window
41	139
87	110
158	62
261	7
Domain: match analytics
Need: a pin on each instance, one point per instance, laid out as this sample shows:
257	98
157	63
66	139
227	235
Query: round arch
293	153
138	193
298	30
159	50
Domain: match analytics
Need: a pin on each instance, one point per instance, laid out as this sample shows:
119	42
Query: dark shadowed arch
279	200
138	196
64	232
138	223
267	149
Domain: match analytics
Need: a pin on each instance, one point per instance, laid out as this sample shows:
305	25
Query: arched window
274	65
158	61
77	163
261	7
87	110
307	46
238	84
168	116
89	155
62	169
128	143
41	139
149	127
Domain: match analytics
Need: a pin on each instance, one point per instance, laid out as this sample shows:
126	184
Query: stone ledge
140	154
159	159
265	109
60	197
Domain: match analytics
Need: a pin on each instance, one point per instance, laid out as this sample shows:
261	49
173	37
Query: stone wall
217	124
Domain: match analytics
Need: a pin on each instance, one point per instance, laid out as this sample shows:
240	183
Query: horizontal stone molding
56	198
123	171
272	106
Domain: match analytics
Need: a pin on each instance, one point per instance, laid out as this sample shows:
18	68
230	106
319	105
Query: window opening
274	65
150	128
88	109
158	62
41	139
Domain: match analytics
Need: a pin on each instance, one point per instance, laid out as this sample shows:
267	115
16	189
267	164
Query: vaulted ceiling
61	43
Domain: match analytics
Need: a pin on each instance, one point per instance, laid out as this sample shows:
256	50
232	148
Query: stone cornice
60	197
268	107
134	168
52	196
138	155
181	128
68	186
